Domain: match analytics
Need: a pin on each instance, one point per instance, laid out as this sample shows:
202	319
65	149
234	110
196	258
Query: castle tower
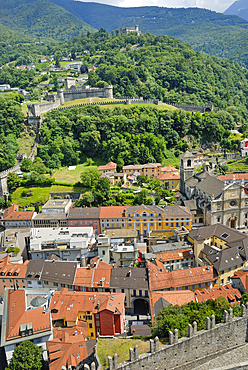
186	169
60	95
108	92
69	81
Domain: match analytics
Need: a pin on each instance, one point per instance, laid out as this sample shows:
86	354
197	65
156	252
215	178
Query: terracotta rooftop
175	255
66	304
13	214
232	295
243	276
96	275
168	176
168	169
17	315
67	349
8	270
112	212
160	279
234	176
109	166
160	299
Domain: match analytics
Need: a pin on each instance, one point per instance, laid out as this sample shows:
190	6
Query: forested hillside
239	8
130	135
11	125
215	33
165	68
41	19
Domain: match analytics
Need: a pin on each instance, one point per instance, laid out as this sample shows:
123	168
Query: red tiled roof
112	212
236	176
12	213
175	255
68	348
160	279
108	166
243	276
73	302
97	275
168	169
178	297
168	176
232	295
7	267
17	315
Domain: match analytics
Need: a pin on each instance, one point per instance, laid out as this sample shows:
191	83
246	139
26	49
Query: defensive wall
194	350
193	107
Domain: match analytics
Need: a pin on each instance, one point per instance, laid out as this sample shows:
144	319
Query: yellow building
88	317
147	219
170	180
148	169
221	247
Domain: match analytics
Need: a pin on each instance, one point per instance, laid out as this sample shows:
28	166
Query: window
206	284
92	334
3	280
134	293
224	236
10	280
90	326
138	224
140	293
177	224
222	281
62	285
39	283
187	223
129	225
186	287
98	323
172	224
229	270
146	293
167	224
97	316
193	286
46	282
145	224
55	284
69	286
122	290
152	224
200	285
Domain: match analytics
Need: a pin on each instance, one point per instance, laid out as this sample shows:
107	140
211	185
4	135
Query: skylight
224	235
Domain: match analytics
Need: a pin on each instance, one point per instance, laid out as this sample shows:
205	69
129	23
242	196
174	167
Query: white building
26	316
57	206
70	244
124	255
244	147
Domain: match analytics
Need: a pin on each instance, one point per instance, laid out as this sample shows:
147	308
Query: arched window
188	162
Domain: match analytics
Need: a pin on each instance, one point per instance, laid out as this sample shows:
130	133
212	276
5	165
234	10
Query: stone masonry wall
194	350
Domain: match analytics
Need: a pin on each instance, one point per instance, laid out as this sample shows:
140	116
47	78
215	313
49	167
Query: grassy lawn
65	189
25	142
108	347
238	166
71	177
41	194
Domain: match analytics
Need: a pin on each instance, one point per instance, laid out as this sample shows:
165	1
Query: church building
219	201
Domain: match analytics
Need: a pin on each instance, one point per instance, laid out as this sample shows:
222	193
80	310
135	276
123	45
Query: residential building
12	275
170	181
220	246
85	217
244	147
68	348
160	221
112	217
169	169
113	238
15	218
103	312
124	255
109	167
4	87
47	220
127	30
231	294
240	280
220	202
57	206
188	279
134	283
74	66
71	243
148	169
26	316
51	274
114	177
180	259
162	299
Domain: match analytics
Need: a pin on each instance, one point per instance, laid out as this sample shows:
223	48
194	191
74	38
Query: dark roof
177	211
219	231
223	259
187	155
191	204
54	256
34	269
59	271
120	278
212	186
87	212
38	301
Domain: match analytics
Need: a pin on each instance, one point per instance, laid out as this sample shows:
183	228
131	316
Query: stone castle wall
194	350
192	107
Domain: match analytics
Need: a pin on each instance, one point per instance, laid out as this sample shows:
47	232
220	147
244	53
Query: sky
217	5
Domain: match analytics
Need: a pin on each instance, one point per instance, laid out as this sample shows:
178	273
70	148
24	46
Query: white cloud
217	5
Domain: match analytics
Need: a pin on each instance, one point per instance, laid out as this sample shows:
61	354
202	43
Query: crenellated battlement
191	351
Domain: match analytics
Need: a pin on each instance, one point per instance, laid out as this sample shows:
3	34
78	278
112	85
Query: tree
13	181
38	166
26	356
89	177
26	165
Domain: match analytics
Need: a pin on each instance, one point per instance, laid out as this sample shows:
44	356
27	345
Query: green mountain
41	19
239	8
215	33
